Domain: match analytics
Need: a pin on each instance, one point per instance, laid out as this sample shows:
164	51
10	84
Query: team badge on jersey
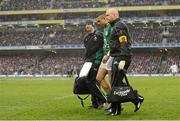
95	38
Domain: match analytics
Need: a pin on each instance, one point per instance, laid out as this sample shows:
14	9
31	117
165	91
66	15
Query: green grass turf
52	98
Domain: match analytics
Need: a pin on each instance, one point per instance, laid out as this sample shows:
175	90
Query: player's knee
99	78
101	74
105	84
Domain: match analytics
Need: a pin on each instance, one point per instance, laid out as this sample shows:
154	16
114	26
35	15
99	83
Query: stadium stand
7	5
110	3
75	34
155	34
42	38
38	64
143	63
152	28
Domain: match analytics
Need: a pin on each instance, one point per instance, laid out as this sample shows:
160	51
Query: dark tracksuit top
93	43
120	40
120	49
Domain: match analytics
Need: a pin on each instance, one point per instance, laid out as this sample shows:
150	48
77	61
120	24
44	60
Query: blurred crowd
145	63
70	65
154	63
41	38
172	59
75	36
6	5
39	64
50	63
155	35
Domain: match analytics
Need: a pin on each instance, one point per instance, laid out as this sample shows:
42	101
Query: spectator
7	5
59	64
74	35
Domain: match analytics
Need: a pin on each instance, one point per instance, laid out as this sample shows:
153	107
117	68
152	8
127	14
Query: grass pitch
52	98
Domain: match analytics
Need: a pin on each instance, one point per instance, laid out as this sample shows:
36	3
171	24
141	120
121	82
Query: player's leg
94	87
105	85
109	72
101	72
100	77
109	76
114	109
109	68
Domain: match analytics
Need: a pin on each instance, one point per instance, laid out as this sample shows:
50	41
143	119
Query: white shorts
85	69
108	64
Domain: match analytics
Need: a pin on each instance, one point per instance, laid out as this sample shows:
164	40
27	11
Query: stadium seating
155	35
22	35
143	63
41	38
76	33
7	5
39	64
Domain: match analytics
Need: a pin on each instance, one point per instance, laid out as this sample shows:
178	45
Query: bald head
112	14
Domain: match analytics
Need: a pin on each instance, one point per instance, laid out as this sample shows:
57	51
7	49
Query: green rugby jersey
106	36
